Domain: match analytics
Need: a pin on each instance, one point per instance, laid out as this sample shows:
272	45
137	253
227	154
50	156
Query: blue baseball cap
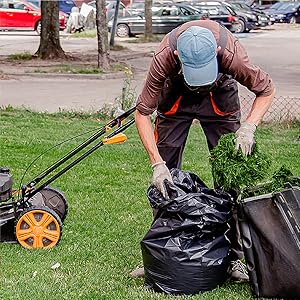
197	51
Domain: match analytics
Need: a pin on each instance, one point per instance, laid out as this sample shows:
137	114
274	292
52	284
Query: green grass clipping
232	170
277	182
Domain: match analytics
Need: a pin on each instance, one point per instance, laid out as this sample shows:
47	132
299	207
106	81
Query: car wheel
122	30
240	26
38	27
292	20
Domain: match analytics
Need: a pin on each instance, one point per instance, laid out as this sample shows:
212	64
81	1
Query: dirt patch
83	62
4	77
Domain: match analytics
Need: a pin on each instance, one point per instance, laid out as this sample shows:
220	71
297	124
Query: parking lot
275	49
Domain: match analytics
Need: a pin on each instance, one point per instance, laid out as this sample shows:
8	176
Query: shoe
138	272
238	271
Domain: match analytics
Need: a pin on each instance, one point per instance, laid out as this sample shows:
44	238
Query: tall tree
49	37
148	18
102	35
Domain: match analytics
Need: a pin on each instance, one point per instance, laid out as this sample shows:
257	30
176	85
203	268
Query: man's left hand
245	138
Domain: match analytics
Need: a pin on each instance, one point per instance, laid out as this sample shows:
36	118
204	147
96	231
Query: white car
110	7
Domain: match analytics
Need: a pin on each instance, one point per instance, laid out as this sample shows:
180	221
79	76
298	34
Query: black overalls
217	109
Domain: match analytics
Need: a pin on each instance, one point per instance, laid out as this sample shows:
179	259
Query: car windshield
245	6
35	3
277	5
213	10
236	6
107	3
287	7
190	10
167	11
231	10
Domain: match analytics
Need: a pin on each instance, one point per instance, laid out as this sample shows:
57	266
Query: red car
22	15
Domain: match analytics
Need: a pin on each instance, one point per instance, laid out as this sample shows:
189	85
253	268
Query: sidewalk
29	83
21	85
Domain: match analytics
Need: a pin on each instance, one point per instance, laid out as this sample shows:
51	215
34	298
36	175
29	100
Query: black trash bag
186	250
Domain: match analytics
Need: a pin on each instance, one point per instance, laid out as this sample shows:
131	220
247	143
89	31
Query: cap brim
201	76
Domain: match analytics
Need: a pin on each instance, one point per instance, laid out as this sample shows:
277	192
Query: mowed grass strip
108	209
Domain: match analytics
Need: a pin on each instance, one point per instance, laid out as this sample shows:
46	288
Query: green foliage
128	96
151	39
7	108
117	47
76	70
38	70
119	67
20	56
276	183
108	209
123	102
280	176
232	170
85	34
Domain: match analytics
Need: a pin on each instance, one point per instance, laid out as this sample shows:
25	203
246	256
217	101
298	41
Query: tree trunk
49	37
148	18
102	35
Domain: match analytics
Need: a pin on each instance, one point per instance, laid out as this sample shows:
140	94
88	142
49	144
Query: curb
117	75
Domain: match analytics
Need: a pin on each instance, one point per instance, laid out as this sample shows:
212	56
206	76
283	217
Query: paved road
277	51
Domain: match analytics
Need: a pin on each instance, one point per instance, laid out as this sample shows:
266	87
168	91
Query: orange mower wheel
38	228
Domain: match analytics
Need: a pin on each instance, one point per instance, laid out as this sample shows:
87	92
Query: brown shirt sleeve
236	63
161	66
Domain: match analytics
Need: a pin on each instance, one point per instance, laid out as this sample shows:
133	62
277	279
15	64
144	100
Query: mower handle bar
27	189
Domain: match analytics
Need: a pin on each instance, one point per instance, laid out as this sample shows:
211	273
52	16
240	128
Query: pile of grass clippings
233	171
277	183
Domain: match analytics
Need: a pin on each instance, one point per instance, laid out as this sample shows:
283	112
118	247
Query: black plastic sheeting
186	250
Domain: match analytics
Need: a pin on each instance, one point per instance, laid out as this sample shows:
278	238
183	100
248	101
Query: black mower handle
29	191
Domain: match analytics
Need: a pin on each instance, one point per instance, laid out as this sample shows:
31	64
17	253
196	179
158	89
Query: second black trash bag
186	250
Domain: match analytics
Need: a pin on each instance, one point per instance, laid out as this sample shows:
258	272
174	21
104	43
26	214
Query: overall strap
222	43
173	39
173	46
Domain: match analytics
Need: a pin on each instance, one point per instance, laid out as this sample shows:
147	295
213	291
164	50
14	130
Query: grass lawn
108	210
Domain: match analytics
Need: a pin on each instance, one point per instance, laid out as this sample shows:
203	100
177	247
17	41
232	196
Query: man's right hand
160	173
245	138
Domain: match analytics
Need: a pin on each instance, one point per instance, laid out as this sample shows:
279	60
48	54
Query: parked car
163	20
22	15
264	4
246	20
137	8
263	19
218	12
274	8
288	13
64	5
110	7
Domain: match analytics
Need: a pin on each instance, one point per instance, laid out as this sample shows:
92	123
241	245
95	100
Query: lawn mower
33	215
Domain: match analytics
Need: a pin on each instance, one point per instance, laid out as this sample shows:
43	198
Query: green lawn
108	210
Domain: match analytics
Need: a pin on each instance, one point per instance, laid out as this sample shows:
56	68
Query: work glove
160	174
245	138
